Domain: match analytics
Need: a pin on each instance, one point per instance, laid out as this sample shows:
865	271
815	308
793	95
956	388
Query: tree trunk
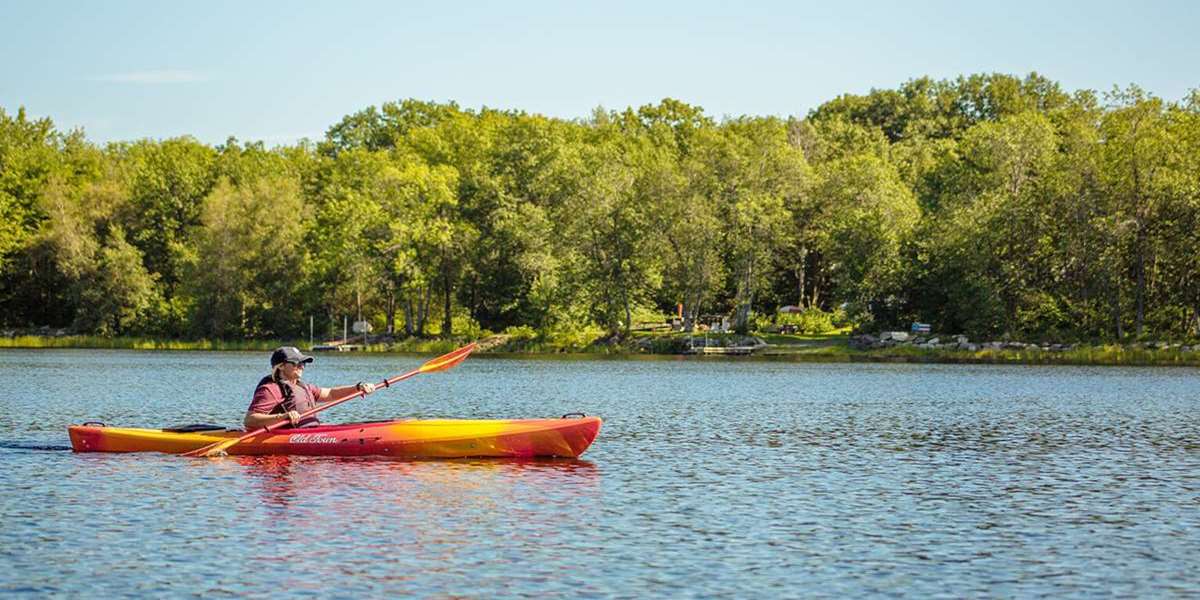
1138	248
1140	290
473	307
607	299
390	303
422	309
408	315
697	311
628	315
815	281
1116	311
746	299
800	272
689	318
447	318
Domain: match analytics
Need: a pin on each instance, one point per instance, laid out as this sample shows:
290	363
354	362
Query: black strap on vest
289	400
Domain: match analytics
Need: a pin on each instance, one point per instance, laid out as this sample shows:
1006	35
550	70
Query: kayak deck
413	438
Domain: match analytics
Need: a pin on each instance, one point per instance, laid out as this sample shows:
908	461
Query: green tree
248	263
167	183
1136	144
869	214
121	293
755	174
424	240
605	229
30	155
989	243
345	274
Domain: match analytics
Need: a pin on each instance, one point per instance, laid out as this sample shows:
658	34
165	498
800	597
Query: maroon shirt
268	399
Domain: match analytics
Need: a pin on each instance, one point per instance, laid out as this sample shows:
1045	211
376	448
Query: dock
722	350
336	348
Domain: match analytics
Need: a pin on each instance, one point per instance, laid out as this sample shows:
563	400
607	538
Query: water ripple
709	479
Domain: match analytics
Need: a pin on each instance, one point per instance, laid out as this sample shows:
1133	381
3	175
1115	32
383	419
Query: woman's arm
255	420
337	393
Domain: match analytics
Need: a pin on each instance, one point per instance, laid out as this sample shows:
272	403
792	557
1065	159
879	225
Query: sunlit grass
418	346
841	336
138	343
836	347
833	347
1111	355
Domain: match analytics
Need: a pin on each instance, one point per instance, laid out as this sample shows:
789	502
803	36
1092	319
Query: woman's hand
365	388
293	417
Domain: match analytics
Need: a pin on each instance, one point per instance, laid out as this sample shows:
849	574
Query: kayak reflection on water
286	481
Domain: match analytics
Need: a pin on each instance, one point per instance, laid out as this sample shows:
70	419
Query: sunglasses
296	364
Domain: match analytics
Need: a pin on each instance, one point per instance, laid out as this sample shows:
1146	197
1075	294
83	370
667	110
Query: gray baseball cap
289	354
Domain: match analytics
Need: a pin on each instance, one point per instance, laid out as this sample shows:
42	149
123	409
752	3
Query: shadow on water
7	445
997	436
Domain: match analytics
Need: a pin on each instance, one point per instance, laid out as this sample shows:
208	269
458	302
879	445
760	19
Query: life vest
302	399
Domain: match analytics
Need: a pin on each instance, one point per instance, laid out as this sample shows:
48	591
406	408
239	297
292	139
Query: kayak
414	438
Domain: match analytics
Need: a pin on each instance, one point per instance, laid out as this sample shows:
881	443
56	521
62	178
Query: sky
281	71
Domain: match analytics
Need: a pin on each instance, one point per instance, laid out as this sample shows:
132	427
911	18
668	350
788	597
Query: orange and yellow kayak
416	438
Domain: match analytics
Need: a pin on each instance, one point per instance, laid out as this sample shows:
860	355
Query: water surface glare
709	479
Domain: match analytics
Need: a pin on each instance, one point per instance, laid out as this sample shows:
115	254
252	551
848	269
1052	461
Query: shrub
573	337
468	328
812	321
522	333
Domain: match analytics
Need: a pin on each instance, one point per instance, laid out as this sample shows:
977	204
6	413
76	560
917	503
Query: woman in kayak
281	396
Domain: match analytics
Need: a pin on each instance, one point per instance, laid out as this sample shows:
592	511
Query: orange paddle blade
216	449
449	361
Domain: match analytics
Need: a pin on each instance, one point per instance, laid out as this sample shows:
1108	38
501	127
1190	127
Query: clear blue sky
279	71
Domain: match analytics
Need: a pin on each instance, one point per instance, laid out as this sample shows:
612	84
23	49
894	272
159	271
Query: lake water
709	479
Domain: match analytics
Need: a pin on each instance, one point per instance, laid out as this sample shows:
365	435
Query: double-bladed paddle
441	363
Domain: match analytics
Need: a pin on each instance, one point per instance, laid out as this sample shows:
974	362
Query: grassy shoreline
816	349
33	342
1085	356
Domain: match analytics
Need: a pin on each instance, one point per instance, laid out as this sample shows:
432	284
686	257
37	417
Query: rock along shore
892	339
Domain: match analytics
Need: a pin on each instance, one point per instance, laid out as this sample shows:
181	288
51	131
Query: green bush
572	337
643	315
463	327
1045	318
812	321
754	322
468	328
522	333
665	345
521	338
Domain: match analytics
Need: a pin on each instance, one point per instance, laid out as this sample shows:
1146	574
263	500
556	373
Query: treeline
987	205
